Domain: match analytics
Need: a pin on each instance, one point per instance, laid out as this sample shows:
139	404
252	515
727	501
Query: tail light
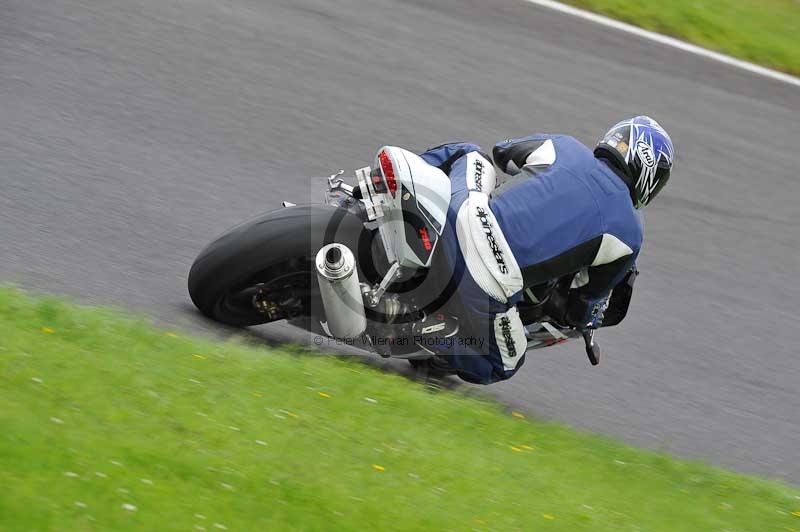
388	172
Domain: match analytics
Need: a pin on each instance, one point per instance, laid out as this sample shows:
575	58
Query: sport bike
356	267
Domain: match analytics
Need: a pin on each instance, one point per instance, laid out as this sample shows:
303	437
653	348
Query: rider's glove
620	299
584	312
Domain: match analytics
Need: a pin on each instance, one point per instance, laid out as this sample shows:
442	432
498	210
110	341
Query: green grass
761	31
100	411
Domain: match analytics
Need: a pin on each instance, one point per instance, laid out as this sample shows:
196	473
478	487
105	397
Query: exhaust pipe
340	291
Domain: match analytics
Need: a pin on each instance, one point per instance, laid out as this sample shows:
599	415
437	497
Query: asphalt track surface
132	132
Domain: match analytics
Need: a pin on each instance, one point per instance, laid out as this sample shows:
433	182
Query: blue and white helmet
643	151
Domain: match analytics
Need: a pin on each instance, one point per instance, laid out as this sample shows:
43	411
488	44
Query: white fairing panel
431	187
424	191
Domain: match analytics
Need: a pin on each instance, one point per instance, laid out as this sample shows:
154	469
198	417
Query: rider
569	211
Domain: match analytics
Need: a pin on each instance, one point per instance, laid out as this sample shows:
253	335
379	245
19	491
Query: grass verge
760	31
107	423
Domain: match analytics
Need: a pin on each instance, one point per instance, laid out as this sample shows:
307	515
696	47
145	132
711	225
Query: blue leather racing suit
563	212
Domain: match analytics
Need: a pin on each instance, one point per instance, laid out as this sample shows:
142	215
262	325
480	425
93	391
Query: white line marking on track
669	41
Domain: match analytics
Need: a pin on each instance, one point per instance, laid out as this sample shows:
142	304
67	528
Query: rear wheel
262	270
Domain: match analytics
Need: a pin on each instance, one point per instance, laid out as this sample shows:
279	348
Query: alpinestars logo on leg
505	329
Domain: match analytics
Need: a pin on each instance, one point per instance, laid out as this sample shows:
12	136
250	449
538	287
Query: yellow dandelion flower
201	357
516	449
377	467
527	447
548	517
171	334
323	394
796	514
518	414
48	330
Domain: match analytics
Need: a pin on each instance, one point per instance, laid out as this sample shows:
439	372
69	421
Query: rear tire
224	278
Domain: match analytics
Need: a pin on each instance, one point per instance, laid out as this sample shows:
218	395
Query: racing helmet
641	149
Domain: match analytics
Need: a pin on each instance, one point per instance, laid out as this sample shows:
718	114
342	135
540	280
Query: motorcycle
356	267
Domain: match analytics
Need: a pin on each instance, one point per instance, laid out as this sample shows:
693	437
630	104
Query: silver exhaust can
340	291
